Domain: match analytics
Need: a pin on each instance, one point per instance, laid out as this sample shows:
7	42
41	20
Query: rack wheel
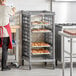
23	62
29	67
53	66
45	63
56	62
15	65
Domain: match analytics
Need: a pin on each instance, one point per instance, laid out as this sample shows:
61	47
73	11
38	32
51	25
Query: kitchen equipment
58	52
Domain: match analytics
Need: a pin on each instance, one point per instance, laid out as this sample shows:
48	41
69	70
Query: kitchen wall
29	4
65	12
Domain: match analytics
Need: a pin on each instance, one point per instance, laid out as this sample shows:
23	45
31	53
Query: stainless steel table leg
63	63
71	63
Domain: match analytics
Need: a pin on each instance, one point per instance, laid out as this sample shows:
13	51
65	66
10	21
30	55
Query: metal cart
71	54
13	56
58	53
37	28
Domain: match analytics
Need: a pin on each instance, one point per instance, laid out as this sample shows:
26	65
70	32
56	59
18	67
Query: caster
56	62
29	67
15	65
22	62
53	66
45	63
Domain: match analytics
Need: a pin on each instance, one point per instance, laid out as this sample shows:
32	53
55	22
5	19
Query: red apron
10	36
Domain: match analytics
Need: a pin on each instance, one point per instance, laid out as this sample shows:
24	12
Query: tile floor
36	72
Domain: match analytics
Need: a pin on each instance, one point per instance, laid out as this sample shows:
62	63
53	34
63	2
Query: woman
5	32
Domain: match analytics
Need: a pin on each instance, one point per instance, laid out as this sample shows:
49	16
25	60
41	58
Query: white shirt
5	13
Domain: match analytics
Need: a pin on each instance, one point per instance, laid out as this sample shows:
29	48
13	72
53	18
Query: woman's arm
14	10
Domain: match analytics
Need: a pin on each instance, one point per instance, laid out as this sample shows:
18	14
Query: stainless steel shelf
41	53
40	24
48	31
43	60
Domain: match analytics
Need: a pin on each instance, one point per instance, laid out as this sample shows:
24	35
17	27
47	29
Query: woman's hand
14	10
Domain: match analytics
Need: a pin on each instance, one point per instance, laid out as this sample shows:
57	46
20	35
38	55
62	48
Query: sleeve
10	11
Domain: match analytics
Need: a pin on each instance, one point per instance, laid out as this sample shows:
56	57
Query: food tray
41	31
40	24
40	53
41	46
70	31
